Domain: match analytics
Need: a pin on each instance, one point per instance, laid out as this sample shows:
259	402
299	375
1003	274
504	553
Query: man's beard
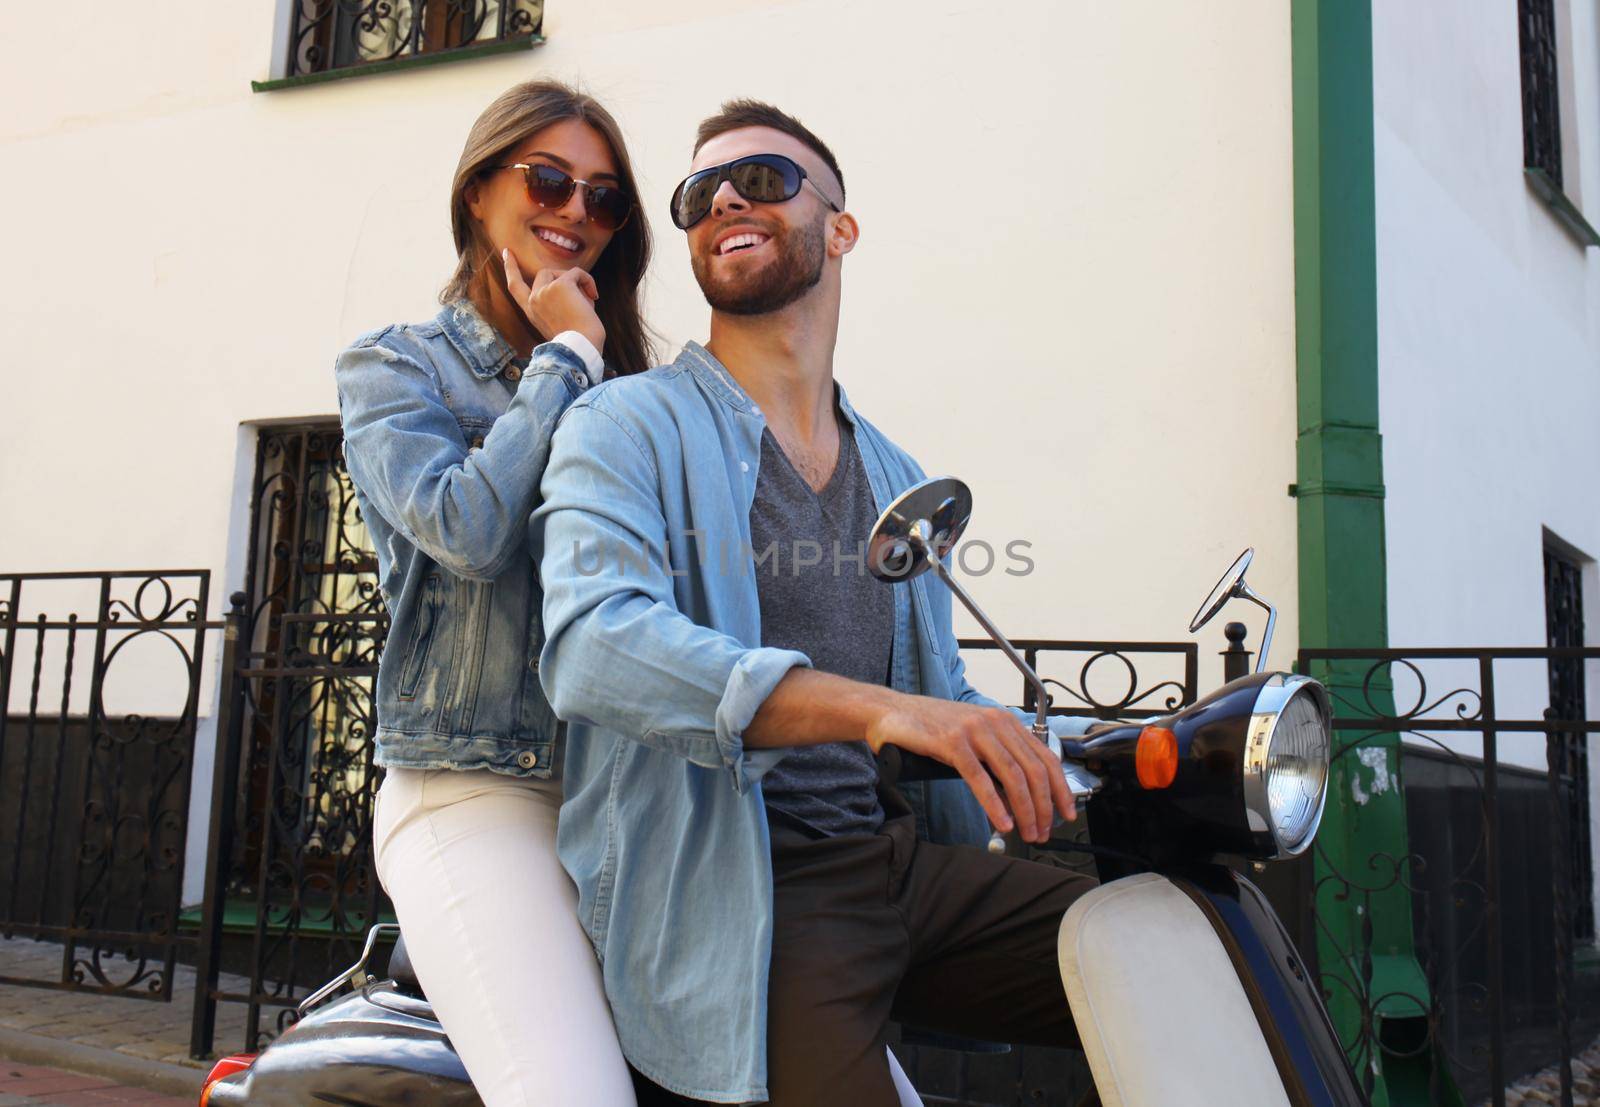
795	271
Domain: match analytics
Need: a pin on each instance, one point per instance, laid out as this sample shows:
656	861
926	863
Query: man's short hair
738	114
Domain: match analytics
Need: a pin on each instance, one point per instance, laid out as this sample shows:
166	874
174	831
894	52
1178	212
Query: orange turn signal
1155	758
225	1067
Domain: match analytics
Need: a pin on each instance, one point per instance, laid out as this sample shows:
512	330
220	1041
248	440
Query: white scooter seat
1162	1015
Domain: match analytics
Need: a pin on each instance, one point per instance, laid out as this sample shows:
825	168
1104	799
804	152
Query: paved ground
1545	1087
132	1051
141	1028
34	1086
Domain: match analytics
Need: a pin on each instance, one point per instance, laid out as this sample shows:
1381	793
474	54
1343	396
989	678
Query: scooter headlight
1286	764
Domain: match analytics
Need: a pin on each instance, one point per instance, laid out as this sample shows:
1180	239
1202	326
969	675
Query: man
728	669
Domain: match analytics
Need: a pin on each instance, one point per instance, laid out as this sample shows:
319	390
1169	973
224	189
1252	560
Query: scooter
1184	985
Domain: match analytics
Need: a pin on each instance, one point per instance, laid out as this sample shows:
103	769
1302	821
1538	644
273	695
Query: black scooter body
377	1047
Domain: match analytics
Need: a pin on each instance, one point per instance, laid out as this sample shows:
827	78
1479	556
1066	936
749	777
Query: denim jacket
653	655
446	436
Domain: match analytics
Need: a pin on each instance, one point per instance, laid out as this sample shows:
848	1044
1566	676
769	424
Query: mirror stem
1272	622
1041	729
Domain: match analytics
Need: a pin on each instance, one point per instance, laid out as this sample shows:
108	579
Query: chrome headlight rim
1272	701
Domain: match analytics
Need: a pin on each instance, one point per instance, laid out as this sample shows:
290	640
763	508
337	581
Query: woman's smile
563	245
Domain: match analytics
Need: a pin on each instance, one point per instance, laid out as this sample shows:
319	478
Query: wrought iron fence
1103	680
95	792
95	770
340	34
291	888
304	875
1453	1014
1089	675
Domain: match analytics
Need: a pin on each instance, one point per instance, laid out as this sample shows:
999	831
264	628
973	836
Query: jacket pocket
422	628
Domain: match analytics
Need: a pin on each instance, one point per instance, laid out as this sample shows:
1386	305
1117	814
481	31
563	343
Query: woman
447	430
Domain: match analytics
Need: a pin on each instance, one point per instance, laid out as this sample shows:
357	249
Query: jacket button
527	759
512	373
477	443
533	664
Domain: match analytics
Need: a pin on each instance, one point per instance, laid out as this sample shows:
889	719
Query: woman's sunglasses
607	206
759	178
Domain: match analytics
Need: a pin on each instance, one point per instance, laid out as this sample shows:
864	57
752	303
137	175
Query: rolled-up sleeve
618	652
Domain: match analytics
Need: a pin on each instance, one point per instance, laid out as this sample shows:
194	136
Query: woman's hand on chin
558	300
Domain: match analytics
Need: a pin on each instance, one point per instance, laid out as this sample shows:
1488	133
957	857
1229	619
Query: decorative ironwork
1096	689
1458	912
291	837
1541	114
339	34
95	789
1103	680
1563	604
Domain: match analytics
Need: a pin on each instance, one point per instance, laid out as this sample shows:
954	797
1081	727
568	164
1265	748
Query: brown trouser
873	928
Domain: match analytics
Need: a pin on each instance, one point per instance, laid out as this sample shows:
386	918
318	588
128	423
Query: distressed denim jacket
446	436
653	655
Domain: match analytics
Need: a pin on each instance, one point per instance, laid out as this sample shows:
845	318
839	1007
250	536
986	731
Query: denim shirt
653	655
446	436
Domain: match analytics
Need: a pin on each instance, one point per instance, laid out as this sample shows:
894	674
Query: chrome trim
356	974
1270	704
1080	781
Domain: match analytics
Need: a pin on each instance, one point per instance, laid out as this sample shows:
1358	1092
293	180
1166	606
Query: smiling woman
535	178
447	431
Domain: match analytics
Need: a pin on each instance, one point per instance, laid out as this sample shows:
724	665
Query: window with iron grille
1543	33
1541	114
325	36
1563	592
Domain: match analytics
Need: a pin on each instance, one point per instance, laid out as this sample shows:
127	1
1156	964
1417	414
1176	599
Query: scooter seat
401	972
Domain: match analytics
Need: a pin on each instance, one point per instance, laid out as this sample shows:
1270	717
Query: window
1543	29
338	37
1541	95
1563	605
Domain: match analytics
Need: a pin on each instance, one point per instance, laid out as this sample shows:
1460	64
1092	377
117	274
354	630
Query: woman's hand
559	300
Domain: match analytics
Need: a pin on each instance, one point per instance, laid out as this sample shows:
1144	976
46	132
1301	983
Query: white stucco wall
1489	341
1101	343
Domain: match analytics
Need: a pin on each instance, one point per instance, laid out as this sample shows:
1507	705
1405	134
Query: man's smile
736	239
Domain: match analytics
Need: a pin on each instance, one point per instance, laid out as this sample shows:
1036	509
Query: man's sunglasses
759	178
607	206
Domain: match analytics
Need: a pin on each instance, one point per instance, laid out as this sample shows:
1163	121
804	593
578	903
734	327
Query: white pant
491	923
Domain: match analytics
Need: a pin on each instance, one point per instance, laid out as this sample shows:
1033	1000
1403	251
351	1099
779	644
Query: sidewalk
140	1042
33	1086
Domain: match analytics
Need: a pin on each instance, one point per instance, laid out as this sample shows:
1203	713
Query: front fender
1187	993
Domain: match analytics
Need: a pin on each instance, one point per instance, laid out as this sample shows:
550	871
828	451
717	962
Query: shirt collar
720	382
487	354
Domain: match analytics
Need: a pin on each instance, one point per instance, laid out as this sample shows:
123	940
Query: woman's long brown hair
515	115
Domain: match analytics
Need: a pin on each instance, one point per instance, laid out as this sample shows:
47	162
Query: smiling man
761	906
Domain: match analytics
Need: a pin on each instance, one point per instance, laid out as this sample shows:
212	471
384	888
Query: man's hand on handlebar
987	746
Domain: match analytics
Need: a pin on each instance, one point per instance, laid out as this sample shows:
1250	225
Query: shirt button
527	759
512	373
744	466
755	409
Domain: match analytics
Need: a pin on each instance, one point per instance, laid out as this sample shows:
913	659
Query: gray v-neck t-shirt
817	597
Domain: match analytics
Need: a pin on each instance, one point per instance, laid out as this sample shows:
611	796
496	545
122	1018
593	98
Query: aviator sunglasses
606	206
759	178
